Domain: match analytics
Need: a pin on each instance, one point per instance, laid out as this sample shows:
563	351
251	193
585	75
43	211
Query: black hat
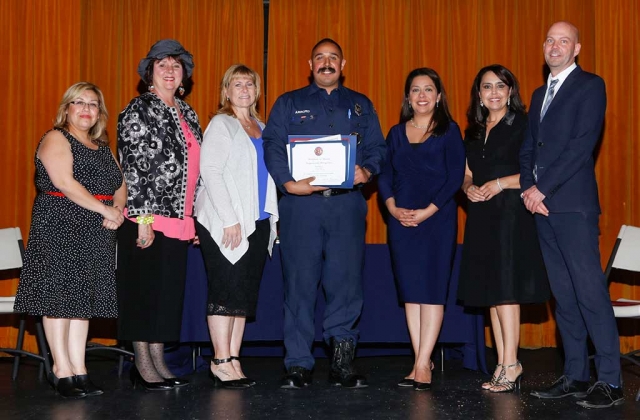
162	49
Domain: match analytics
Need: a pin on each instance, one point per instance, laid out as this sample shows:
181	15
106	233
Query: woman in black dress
68	275
159	140
502	265
237	211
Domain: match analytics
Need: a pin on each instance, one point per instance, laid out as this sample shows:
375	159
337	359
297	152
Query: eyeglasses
93	106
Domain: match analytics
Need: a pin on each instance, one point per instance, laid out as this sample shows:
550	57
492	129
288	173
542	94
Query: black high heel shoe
406	382
409	382
66	387
231	384
176	382
84	383
246	380
505	385
136	379
421	386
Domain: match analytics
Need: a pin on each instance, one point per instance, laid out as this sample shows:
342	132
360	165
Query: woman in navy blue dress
423	170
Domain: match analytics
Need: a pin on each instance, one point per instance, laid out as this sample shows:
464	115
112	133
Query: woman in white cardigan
236	212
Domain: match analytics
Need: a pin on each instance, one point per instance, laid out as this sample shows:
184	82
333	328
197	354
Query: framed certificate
331	159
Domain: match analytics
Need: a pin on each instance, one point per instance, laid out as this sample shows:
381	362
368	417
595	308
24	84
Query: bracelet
499	186
145	220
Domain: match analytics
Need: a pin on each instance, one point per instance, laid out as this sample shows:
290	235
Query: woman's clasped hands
409	218
484	193
113	217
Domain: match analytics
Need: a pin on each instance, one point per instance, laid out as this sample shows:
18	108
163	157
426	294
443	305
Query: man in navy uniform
558	183
322	230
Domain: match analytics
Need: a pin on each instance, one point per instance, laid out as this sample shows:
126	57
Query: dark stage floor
455	395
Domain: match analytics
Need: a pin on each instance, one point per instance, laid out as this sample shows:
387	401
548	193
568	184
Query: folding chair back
11	257
11	247
626	256
626	252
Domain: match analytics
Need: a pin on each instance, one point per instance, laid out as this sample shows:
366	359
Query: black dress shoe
563	387
406	383
421	386
297	377
136	379
176	381
602	395
349	380
66	387
84	383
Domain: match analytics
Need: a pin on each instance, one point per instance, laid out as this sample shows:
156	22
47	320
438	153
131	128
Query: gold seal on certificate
331	159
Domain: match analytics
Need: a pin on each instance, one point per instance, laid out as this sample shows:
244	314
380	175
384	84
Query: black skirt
233	288
150	286
501	258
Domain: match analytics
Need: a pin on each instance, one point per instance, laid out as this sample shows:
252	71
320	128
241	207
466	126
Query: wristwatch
369	172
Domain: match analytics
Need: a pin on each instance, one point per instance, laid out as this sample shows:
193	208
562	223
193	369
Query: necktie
550	95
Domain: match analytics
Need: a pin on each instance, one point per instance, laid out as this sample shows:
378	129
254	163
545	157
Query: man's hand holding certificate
330	159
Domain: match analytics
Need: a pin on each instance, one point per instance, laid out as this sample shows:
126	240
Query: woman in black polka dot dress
69	269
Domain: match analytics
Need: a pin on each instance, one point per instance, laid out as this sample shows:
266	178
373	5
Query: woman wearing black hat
159	139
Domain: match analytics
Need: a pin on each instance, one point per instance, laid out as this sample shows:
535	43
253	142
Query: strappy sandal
505	385
494	379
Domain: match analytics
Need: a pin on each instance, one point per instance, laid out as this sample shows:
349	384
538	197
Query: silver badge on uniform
358	109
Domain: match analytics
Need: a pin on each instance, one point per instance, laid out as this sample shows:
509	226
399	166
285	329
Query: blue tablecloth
382	322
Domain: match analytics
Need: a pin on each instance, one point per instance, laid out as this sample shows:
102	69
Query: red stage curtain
385	39
103	40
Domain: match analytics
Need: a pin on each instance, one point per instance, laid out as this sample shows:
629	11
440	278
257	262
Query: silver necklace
423	127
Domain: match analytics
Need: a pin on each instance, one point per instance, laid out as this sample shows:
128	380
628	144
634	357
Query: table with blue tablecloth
383	328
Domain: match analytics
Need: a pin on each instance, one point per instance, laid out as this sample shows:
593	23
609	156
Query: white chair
626	256
11	256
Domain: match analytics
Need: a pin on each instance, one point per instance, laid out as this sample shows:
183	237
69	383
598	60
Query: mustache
323	69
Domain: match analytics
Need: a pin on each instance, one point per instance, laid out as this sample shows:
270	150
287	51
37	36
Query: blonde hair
97	133
233	72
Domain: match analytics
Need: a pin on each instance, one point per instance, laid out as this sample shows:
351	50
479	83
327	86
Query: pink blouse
182	229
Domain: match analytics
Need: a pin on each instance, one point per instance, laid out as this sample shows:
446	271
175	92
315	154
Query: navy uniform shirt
311	110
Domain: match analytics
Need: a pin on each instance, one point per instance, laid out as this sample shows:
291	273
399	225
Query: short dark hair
441	116
327	41
476	114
